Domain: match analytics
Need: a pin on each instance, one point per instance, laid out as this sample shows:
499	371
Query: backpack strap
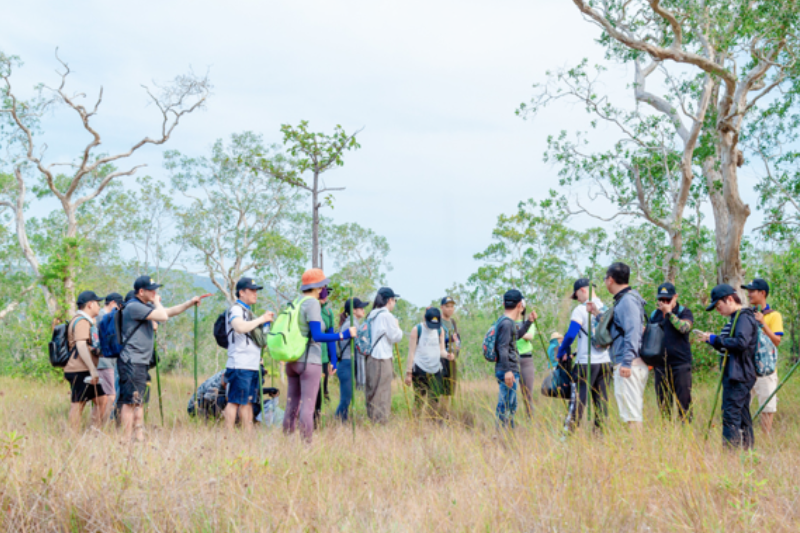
74	351
125	341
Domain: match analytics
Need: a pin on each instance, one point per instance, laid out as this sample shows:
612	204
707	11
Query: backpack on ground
285	340
58	347
490	341
110	344
364	344
766	353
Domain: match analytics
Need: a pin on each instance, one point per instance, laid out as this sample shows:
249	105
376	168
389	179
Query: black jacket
506	344
741	346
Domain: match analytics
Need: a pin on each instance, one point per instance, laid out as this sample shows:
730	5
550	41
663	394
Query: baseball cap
433	318
448	300
757	284
88	296
247	283
666	290
145	282
313	278
718	293
387	293
512	297
114	297
578	285
357	304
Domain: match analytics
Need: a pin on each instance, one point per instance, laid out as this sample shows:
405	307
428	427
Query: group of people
431	366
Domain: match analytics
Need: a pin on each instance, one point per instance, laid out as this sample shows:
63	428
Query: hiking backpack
58	347
110	344
285	340
490	340
364	344
766	354
653	350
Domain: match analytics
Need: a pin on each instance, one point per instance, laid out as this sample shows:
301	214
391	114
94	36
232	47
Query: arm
632	330
319	336
569	338
741	339
503	341
412	349
442	350
86	357
393	332
683	326
241	325
180	308
522	329
332	347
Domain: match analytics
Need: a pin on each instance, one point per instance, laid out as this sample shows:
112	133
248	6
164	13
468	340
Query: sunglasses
665	300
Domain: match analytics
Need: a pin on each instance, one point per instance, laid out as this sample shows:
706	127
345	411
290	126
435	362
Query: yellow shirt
774	321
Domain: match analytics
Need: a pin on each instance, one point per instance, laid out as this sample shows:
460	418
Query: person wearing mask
452	344
426	351
506	367
345	371
304	375
385	333
771	322
81	369
601	370
739	338
627	326
244	355
673	379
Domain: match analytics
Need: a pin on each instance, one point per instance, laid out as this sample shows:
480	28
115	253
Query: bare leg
138	423
766	422
126	415
109	407
75	412
246	416
230	415
99	407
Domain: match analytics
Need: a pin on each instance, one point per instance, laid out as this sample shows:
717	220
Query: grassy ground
411	475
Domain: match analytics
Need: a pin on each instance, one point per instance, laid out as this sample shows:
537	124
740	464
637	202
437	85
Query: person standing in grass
452	344
426	351
138	328
385	333
345	371
329	359
107	366
771	323
552	348
739	338
506	367
244	355
303	376
601	371
630	372
81	369
527	370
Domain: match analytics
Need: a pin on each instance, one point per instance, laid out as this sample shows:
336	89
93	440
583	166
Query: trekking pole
719	385
589	354
783	381
541	341
196	399
158	377
352	369
402	380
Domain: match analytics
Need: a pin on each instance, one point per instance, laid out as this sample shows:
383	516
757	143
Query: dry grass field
412	475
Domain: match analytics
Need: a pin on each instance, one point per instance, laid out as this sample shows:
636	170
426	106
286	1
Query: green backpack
285	340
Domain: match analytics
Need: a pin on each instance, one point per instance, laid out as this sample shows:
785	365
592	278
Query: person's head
247	290
666	293
323	295
433	318
359	308
130	295
556	337
617	277
387	298
757	292
448	306
725	300
514	304
145	288
580	290
312	282
114	301
89	303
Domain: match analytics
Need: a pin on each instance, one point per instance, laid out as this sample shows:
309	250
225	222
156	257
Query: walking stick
719	385
352	369
400	370
589	356
783	381
158	377
196	399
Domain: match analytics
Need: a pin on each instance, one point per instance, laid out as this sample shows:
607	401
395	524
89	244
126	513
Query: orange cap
313	278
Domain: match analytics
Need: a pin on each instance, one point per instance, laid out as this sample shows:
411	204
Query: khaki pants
379	389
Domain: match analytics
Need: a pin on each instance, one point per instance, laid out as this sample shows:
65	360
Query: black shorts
134	383
82	391
427	384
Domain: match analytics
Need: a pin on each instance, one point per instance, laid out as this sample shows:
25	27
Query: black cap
666	290
88	296
578	285
357	304
512	297
130	296
145	282
387	293
448	300
718	293
247	283
433	318
757	284
114	297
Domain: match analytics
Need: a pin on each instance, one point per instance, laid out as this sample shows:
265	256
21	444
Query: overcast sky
434	83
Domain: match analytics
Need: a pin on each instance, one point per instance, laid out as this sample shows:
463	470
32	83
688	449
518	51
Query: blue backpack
489	341
109	340
766	354
364	344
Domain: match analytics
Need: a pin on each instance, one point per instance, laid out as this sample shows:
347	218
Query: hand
450	356
95	377
704	336
624	372
592	308
759	317
509	379
331	370
407	381
194	301
667	307
353	332
268	316
157	299
456	339
532	316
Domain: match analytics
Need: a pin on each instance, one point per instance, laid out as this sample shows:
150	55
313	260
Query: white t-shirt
243	353
581	316
428	355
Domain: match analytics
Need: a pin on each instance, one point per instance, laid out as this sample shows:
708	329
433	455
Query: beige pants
379	389
763	388
629	392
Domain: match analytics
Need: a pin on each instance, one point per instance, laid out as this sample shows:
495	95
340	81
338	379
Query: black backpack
221	333
653	351
58	347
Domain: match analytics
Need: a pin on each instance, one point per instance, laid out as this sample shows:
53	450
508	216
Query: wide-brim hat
313	278
556	336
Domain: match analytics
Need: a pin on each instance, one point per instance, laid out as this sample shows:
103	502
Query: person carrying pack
382	333
345	372
673	370
110	348
426	350
297	333
770	336
452	343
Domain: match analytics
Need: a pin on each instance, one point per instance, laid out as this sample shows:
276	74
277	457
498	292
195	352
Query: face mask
323	293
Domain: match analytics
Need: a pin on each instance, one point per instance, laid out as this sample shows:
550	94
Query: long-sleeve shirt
627	327
507	334
385	333
741	345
